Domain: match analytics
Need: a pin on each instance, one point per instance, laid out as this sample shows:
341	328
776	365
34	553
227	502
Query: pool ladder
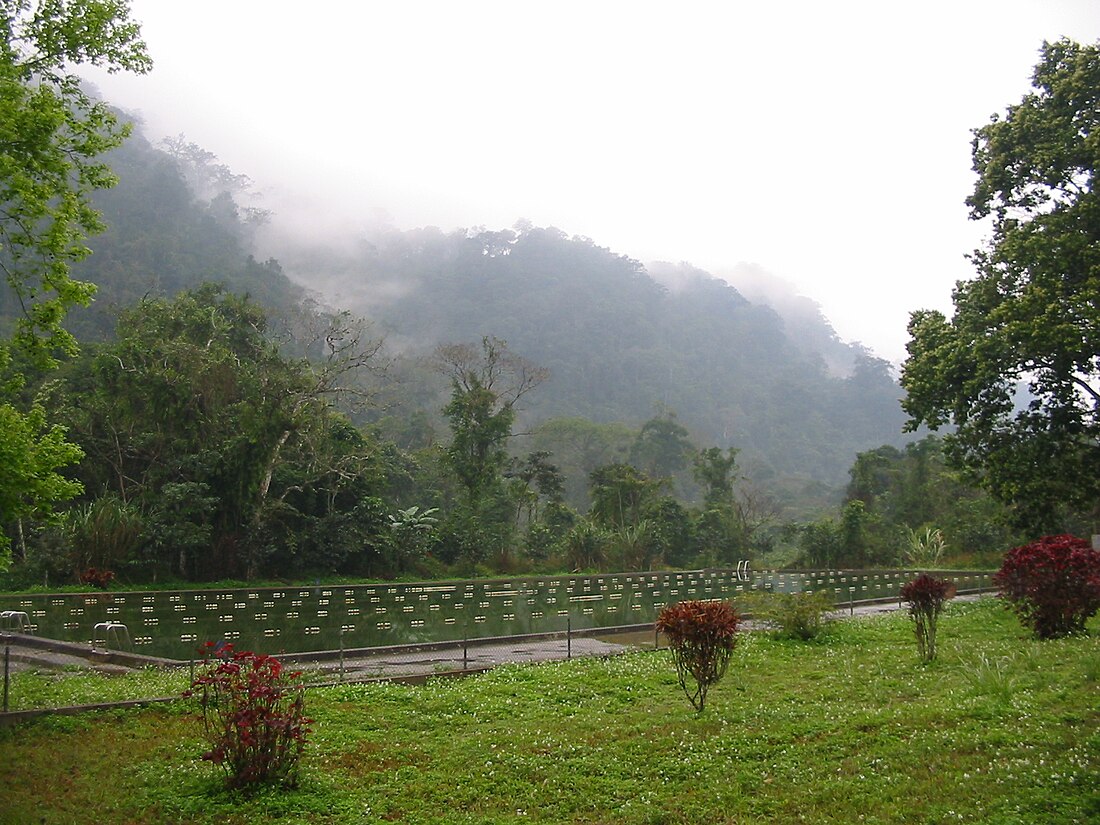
109	629
743	571
16	620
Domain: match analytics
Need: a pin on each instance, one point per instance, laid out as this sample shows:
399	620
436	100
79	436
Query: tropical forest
182	405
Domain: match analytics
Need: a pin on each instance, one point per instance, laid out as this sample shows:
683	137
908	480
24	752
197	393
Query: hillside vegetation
620	346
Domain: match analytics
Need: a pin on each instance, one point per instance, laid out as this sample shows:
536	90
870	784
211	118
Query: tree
854	541
231	448
31	453
412	529
1032	314
579	446
715	473
621	493
485	387
662	447
51	134
913	494
731	516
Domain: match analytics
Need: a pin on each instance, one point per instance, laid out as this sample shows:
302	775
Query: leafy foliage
795	615
97	578
253	717
103	533
621	493
926	596
852	541
51	136
231	450
701	635
1053	584
919	501
925	548
32	454
1032	314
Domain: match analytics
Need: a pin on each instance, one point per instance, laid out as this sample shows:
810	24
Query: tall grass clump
925	548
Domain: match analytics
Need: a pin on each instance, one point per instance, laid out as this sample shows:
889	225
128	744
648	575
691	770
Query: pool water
297	619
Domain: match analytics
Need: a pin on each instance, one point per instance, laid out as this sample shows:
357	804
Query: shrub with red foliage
253	715
97	578
701	635
926	595
1053	584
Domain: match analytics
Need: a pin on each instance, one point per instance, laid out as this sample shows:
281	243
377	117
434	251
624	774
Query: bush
926	595
1053	584
701	635
97	578
253	717
924	549
795	615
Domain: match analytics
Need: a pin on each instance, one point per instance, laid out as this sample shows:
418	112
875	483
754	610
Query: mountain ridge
622	344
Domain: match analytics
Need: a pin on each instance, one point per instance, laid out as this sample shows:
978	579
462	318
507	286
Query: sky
826	143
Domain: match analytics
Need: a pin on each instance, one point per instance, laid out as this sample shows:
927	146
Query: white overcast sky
829	143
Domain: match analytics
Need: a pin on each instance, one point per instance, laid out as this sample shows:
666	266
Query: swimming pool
173	624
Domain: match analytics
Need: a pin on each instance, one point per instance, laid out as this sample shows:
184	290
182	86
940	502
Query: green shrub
924	549
793	615
701	635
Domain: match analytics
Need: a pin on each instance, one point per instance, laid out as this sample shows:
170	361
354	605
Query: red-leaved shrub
926	595
1053	584
97	578
701	635
253	716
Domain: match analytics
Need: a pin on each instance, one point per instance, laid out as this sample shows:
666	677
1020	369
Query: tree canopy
52	135
1031	316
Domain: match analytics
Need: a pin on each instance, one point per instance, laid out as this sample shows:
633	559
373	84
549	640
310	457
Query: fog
828	144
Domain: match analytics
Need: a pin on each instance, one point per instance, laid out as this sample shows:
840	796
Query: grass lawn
847	729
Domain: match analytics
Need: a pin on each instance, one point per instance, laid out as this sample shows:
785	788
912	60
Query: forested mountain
173	222
620	344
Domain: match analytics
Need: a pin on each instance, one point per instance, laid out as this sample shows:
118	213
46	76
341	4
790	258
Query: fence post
341	654
465	648
851	601
7	668
569	638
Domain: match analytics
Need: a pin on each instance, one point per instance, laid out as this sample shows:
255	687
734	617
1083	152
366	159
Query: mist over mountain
624	340
756	367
